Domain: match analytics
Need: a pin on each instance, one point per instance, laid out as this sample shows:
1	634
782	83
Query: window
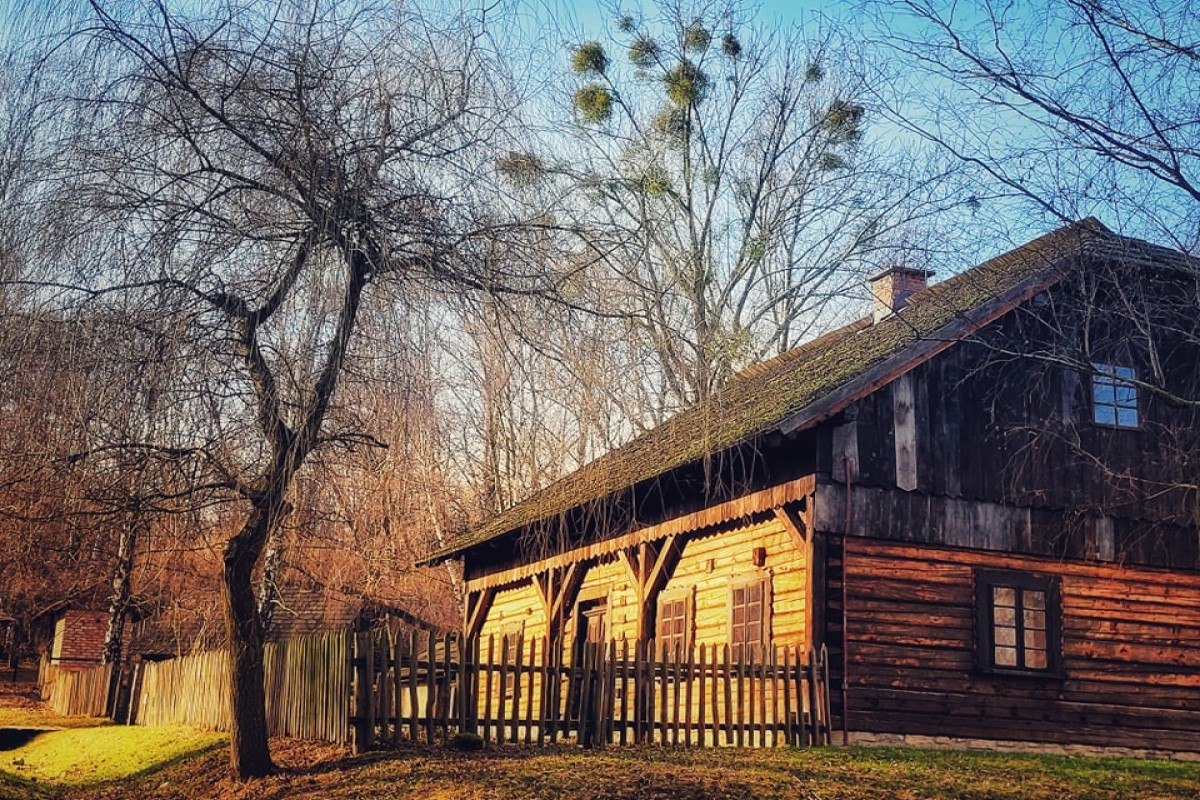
675	621
514	636
60	629
1019	622
749	614
1114	396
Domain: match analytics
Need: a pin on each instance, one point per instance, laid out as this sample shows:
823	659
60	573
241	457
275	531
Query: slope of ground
323	773
43	754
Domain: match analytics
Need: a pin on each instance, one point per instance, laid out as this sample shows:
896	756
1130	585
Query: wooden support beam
794	524
658	562
664	564
542	584
478	605
630	560
561	587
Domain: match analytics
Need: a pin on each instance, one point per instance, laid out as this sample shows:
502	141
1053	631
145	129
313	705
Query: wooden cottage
981	499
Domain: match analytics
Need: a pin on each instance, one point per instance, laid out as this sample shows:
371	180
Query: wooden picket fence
76	692
425	688
307	689
384	687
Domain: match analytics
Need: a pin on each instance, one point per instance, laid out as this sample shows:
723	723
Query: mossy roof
761	397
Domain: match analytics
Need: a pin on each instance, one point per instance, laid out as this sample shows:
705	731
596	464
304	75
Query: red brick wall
82	639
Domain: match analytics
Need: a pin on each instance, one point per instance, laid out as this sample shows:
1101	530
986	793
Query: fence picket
487	703
529	693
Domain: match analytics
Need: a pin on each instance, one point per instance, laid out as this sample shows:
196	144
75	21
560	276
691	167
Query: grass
96	755
37	718
91	759
664	774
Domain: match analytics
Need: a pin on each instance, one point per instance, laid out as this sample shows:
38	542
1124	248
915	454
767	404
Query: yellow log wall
712	562
708	565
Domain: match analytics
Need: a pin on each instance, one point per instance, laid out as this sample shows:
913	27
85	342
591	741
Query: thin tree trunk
118	599
250	755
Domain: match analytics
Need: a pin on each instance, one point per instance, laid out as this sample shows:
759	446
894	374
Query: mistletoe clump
686	84
522	169
696	37
643	52
730	46
671	123
594	103
843	121
589	59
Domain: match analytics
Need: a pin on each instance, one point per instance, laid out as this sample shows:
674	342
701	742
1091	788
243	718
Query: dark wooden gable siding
1010	473
1006	447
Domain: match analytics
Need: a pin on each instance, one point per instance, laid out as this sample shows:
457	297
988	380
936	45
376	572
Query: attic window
1114	396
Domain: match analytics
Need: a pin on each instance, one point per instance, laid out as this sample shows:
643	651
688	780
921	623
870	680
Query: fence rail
530	691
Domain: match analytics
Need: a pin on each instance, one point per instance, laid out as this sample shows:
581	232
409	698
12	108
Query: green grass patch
92	755
40	718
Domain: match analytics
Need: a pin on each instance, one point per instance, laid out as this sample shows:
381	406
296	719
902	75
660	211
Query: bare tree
725	173
1074	108
253	182
1063	111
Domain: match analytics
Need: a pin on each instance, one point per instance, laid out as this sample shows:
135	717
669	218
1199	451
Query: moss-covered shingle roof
765	396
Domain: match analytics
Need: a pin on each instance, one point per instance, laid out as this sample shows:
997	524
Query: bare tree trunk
118	599
250	755
268	590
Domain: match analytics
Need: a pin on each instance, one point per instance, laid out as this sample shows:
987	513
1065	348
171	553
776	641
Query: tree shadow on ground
12	738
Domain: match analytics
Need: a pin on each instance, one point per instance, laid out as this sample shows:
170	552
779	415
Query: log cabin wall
607	583
1130	673
516	609
712	563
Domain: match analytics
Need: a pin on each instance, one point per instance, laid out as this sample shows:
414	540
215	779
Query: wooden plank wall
1131	652
708	564
73	692
967	425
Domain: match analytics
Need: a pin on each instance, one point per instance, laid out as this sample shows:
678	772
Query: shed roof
815	380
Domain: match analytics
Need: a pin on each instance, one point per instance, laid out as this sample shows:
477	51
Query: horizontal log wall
711	563
1130	642
517	609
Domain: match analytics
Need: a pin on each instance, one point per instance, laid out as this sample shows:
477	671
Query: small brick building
78	638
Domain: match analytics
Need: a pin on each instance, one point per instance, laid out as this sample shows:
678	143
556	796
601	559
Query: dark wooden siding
957	522
1004	418
1131	652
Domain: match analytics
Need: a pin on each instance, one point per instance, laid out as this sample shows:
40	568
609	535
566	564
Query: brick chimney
893	286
